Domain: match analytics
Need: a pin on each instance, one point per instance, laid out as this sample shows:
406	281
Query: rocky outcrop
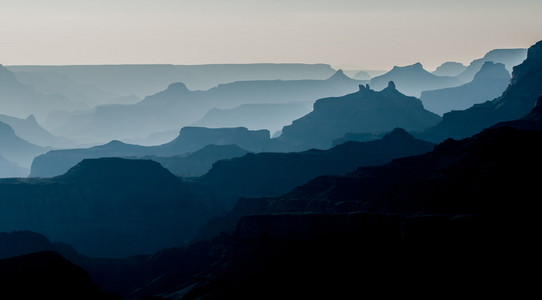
364	111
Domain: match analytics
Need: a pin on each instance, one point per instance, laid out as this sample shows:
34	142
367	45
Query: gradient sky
349	34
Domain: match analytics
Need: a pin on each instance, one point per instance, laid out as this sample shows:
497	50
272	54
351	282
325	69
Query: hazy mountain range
515	102
178	106
144	80
421	204
488	83
21	100
190	139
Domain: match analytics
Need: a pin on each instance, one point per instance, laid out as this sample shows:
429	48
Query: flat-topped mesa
416	66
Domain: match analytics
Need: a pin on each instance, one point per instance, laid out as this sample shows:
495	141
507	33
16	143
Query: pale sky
348	34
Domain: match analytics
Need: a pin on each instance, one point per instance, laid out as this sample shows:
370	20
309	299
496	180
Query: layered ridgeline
516	101
11	169
190	139
449	209
364	111
199	162
256	116
178	106
30	130
144	80
272	174
435	223
412	80
488	83
106	207
448	213
49	82
450	68
17	150
509	57
20	100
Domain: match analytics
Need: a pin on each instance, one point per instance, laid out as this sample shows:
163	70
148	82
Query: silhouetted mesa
107	207
364	111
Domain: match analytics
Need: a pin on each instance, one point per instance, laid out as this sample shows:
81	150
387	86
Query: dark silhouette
107	207
488	84
46	275
199	162
272	174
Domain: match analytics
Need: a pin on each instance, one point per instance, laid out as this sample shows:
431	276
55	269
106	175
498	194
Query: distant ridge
178	106
413	79
16	149
488	83
450	69
508	57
